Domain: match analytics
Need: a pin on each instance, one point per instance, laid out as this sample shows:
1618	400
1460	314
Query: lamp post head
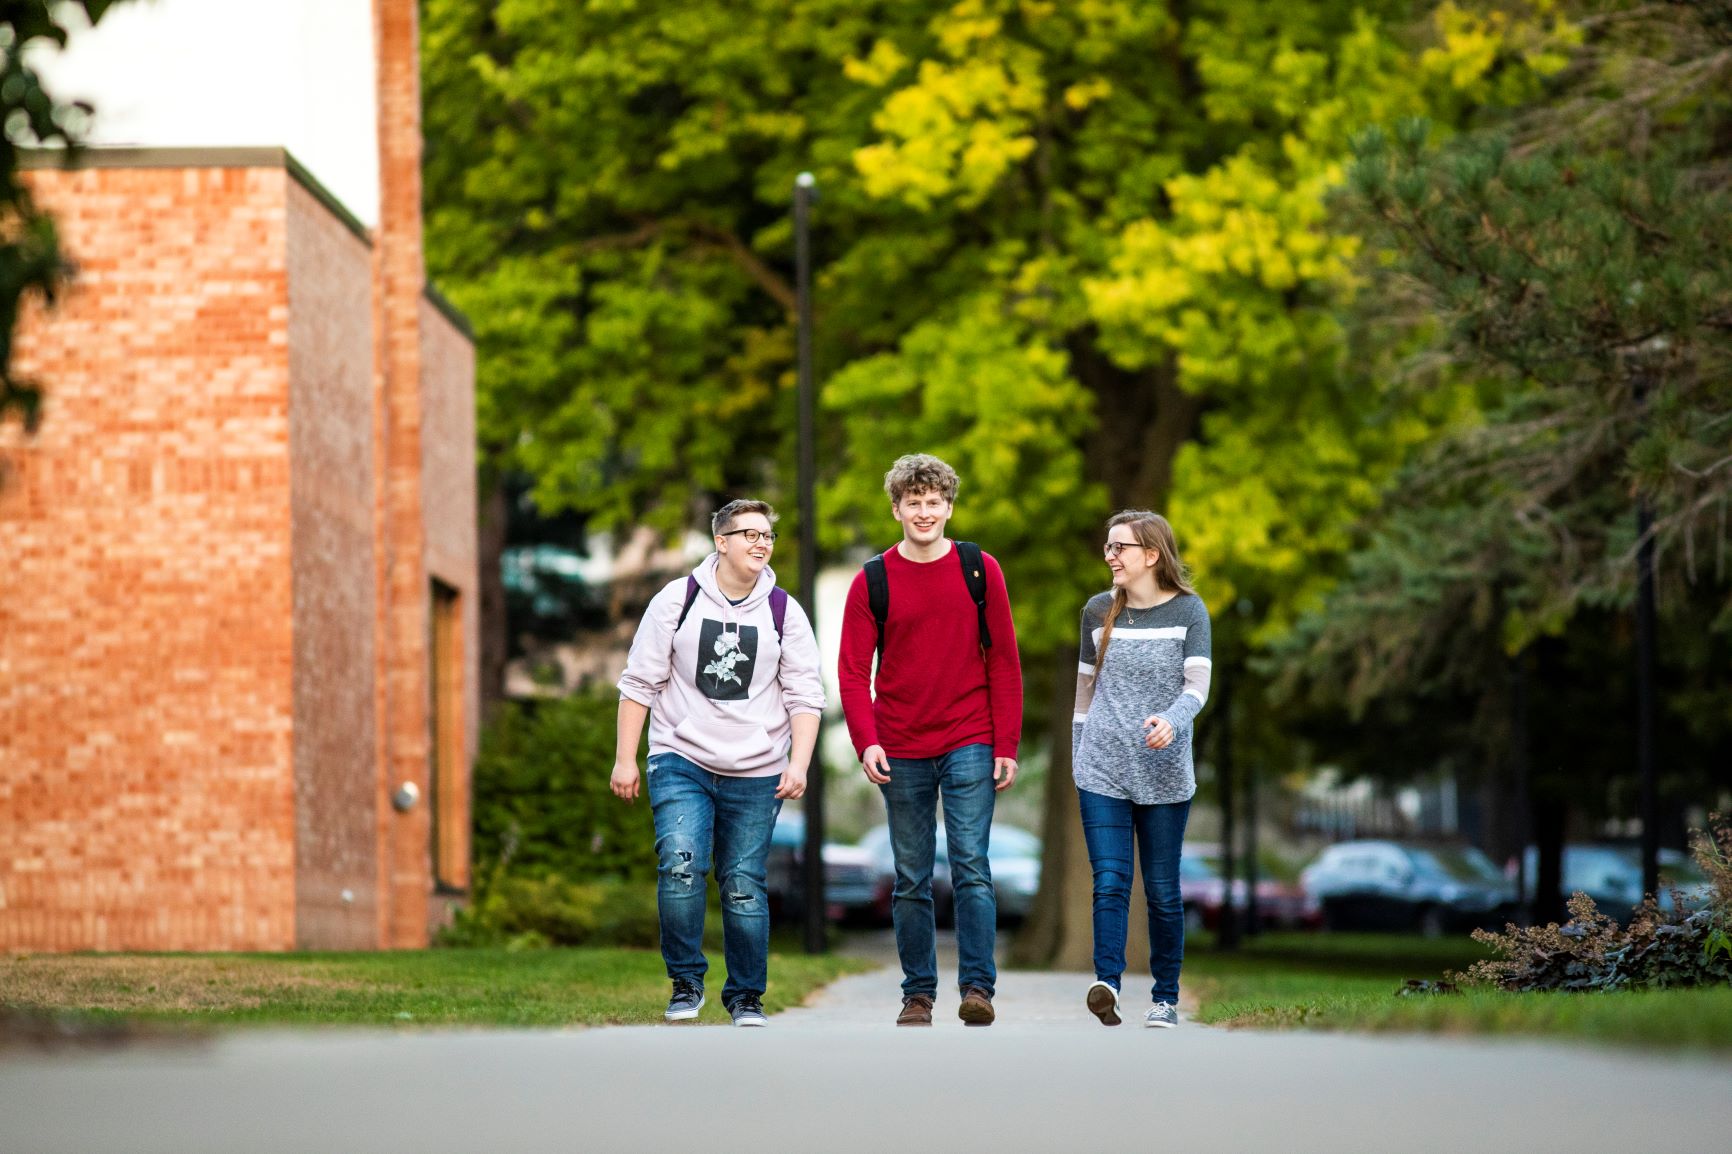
806	180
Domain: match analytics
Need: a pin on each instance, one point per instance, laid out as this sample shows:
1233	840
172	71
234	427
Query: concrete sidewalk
1049	1001
839	1076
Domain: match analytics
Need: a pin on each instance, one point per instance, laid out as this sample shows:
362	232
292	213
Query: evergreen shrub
541	799
558	860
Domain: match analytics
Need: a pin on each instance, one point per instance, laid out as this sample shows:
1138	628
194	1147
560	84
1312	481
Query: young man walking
725	668
944	721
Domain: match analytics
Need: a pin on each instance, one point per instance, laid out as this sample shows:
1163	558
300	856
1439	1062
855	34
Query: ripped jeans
700	815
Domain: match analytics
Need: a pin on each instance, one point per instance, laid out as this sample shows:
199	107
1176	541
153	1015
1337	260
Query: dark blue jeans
1109	826
700	815
963	777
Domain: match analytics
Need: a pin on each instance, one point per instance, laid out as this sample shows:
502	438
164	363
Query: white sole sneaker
754	1020
1161	1021
686	1015
1103	1003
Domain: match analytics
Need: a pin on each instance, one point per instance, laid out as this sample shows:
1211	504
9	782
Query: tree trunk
1144	419
1549	816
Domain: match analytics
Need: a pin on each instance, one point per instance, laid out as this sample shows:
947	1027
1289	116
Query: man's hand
1160	732
1003	772
876	764
624	781
793	783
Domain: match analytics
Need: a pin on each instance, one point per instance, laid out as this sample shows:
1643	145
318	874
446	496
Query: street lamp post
805	191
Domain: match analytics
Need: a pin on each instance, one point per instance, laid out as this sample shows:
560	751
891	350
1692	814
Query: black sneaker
748	1011
687	1000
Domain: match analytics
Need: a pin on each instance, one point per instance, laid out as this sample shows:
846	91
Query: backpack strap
691	596
778	605
778	608
878	595
974	573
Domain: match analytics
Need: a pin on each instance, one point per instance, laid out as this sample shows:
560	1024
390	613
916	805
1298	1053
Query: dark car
1390	885
850	879
1014	854
1611	874
1280	905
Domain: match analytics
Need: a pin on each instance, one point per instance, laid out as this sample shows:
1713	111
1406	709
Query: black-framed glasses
753	536
1112	549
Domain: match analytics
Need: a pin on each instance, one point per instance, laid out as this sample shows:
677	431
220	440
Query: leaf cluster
30	118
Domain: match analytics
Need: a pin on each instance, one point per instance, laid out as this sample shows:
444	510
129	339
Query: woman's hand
1160	733
624	781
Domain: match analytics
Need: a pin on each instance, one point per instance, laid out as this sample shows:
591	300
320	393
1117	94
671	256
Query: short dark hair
726	516
921	473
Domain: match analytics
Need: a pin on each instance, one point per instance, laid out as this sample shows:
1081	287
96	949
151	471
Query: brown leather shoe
916	1011
976	1008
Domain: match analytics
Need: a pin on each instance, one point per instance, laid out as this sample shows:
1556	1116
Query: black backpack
973	572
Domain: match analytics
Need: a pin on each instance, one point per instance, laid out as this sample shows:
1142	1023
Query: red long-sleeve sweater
935	692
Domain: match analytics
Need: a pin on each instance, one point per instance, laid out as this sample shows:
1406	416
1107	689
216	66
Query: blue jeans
699	814
1109	825
964	778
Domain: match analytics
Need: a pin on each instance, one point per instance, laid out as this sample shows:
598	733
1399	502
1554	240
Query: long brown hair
1152	532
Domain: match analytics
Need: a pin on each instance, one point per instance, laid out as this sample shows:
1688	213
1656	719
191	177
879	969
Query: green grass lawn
554	987
1348	982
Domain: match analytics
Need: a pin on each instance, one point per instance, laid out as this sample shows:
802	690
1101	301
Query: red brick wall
146	786
404	598
330	332
448	453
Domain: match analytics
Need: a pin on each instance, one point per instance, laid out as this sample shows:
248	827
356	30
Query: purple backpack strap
778	608
691	596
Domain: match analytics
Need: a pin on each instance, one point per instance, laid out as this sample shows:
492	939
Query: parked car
1391	885
1013	853
1280	905
1611	874
850	875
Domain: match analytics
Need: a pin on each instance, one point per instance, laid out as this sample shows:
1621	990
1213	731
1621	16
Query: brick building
238	611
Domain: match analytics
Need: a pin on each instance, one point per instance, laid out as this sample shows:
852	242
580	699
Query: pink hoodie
722	691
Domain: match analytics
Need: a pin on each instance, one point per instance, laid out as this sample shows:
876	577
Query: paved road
836	1076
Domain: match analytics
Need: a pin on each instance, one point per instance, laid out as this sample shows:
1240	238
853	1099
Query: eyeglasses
753	536
1112	549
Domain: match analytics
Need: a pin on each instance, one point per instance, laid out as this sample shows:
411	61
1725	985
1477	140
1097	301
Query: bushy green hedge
541	799
558	859
550	911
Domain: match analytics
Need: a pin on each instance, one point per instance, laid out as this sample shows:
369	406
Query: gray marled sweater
1157	664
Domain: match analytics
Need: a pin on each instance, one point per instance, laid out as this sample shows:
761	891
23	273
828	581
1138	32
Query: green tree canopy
1080	249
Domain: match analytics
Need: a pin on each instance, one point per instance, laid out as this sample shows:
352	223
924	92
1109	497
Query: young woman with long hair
1142	679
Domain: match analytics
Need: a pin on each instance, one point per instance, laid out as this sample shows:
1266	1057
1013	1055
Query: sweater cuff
634	693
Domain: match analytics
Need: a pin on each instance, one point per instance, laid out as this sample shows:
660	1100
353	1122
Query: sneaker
748	1011
1103	1003
916	1011
976	1008
1162	1014
687	1000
